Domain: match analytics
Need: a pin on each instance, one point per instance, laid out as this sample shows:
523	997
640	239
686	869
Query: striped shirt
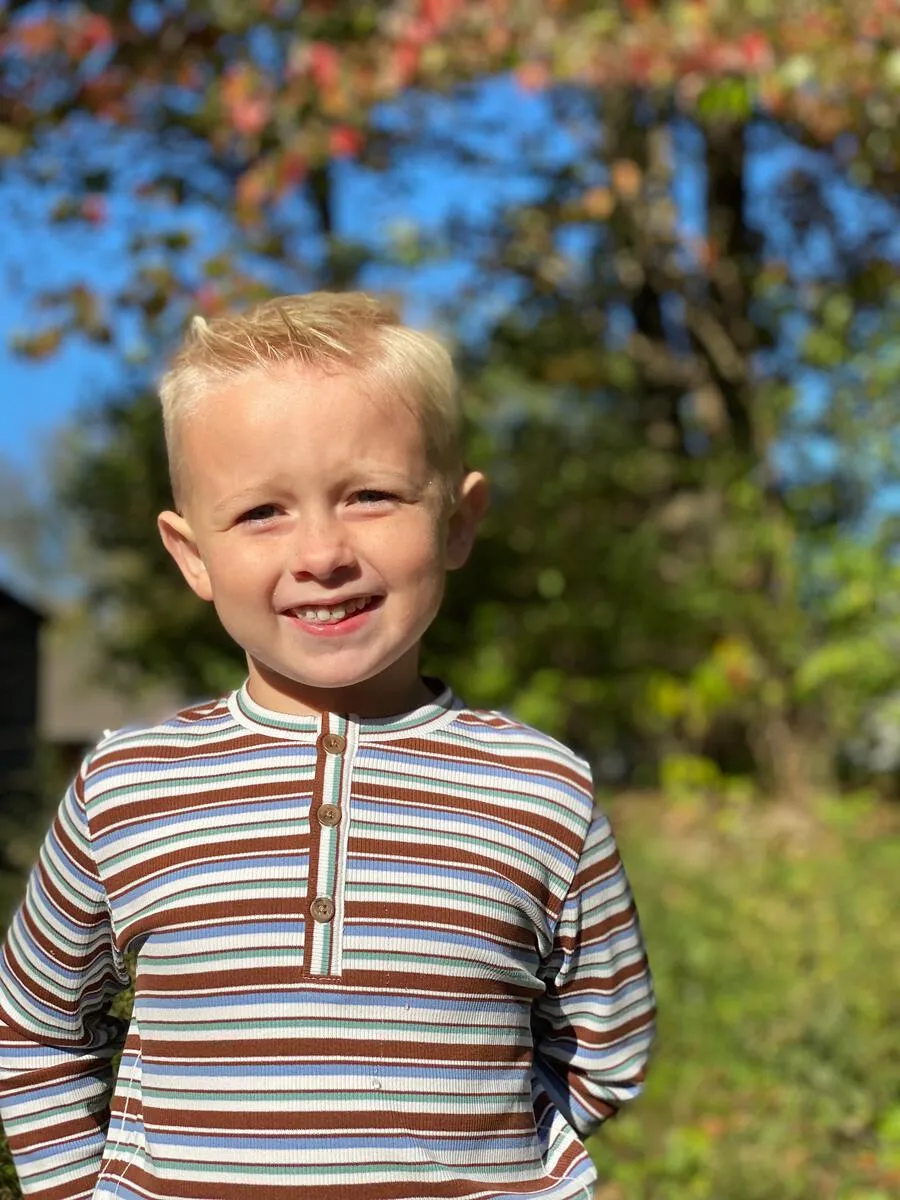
375	960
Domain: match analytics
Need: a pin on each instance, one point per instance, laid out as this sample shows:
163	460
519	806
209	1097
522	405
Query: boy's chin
381	691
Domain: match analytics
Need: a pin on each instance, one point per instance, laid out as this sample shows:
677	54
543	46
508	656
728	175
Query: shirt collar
305	727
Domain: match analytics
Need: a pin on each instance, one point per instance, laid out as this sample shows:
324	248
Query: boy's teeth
328	616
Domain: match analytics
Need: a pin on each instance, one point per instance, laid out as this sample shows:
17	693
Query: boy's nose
320	549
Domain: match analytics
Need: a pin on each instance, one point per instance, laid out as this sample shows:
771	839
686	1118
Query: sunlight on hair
327	331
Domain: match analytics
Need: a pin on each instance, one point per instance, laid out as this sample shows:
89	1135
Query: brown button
334	743
322	908
329	814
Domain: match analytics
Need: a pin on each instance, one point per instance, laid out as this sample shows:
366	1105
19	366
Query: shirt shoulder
188	731
520	748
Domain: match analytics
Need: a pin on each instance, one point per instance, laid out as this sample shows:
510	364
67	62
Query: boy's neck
387	696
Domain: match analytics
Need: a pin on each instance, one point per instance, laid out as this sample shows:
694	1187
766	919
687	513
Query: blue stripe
234	865
406	815
334	1140
304	1072
290	755
342	1000
264	807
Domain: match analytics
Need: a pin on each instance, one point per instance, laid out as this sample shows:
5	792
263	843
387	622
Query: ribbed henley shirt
375	960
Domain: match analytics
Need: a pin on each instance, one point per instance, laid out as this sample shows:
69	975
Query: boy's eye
372	496
262	512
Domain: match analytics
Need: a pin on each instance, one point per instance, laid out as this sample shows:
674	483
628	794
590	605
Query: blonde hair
328	331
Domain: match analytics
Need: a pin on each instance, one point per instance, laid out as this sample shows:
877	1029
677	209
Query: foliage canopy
662	236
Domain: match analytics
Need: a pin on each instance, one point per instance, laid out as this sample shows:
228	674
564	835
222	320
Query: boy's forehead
258	424
270	393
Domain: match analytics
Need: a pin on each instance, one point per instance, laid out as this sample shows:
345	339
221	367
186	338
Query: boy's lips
333	612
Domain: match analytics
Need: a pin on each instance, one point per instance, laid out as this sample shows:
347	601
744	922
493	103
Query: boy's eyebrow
235	500
361	473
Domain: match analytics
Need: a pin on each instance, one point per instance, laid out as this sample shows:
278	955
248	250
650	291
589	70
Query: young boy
385	949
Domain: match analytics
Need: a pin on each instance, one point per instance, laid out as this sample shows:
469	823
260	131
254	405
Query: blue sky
37	398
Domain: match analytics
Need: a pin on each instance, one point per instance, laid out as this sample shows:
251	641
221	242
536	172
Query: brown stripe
461	856
190	1189
203	795
471	1125
518	820
233	849
375	979
352	1051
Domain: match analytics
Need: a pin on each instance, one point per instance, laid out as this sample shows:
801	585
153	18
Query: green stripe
337	1025
450	1101
465	790
424	838
173	840
291	773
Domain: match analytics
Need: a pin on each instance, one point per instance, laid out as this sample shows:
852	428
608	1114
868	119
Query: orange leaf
36	37
40	345
533	76
598	203
237	82
627	178
251	189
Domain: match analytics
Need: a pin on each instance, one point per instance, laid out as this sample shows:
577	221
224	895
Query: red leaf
250	116
640	65
324	65
209	299
344	141
92	32
438	12
756	51
93	209
292	169
405	63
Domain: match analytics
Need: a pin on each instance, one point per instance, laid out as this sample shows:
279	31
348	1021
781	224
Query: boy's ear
178	538
471	504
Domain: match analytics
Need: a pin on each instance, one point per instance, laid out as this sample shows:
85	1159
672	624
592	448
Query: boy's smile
315	524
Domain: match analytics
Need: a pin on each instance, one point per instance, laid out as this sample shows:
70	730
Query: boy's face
314	523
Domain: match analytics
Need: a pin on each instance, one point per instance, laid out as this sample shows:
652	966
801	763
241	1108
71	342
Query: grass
776	951
775	946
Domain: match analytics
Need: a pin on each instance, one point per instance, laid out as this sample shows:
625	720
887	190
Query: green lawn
775	944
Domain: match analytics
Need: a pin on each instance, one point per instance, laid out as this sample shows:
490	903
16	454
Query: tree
679	560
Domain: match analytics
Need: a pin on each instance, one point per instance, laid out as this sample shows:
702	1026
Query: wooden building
57	700
21	622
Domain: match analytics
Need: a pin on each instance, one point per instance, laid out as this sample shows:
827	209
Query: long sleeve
58	973
594	1024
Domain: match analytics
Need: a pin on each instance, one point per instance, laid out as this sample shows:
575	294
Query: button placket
336	745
